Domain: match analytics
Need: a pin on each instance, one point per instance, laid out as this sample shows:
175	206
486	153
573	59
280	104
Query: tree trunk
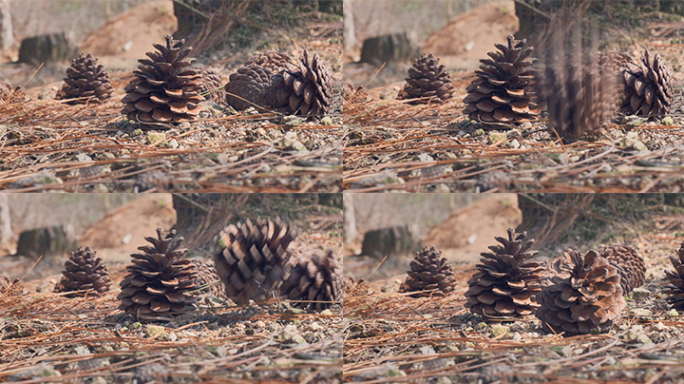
350	232
5	227
349	34
6	37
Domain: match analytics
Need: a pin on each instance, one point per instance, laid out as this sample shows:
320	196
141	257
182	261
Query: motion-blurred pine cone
428	81
86	80
315	280
675	290
504	90
506	281
160	281
630	265
649	87
272	60
212	86
247	87
208	281
252	259
164	88
305	89
429	272
84	272
583	296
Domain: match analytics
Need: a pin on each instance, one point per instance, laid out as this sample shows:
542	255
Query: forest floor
391	145
390	337
49	145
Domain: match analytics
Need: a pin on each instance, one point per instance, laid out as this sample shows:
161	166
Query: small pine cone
9	287
305	89
208	281
504	90
348	283
649	88
272	60
675	290
429	272
630	265
84	272
315	280
212	86
86	81
252	259
584	294
8	93
506	281
427	81
164	89
247	87
160	281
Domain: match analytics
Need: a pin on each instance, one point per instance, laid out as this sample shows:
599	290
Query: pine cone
348	284
9	287
504	90
630	265
84	272
271	60
8	93
247	87
315	278
212	86
675	291
164	88
252	259
160	280
208	281
649	87
505	285
86	80
429	272
427	81
305	89
583	296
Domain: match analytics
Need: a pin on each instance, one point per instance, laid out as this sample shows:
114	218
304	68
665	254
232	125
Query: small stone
641	294
157	137
83	158
427	350
296	145
633	121
136	133
668	120
526	125
184	125
173	144
291	121
672	313
499	330
444	380
424	157
515	144
172	336
641	312
496	137
155	331
327	121
98	380
643	339
477	133
480	326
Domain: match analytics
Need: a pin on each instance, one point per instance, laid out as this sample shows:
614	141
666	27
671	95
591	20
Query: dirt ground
392	338
394	146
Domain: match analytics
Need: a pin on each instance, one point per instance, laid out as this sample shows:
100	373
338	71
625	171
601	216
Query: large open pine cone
272	60
649	87
247	87
583	295
304	89
675	290
428	81
504	90
630	265
506	281
252	259
160	281
84	272
86	80
316	280
430	272
165	89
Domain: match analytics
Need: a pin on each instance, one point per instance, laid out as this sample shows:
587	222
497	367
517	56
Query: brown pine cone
428	81
247	87
86	80
431	273
649	88
315	280
212	86
84	272
675	290
630	265
208	281
271	60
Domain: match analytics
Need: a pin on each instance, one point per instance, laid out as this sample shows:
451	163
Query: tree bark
6	37
349	34
5	226
350	232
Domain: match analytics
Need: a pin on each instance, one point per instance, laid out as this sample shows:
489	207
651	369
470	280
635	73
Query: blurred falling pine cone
86	81
584	294
304	89
649	87
315	280
252	259
164	89
84	272
160	281
630	265
428	81
504	91
675	290
506	281
208	281
271	60
212	86
431	273
246	88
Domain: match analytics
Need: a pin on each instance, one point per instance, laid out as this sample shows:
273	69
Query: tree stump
396	47
390	241
45	242
55	47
